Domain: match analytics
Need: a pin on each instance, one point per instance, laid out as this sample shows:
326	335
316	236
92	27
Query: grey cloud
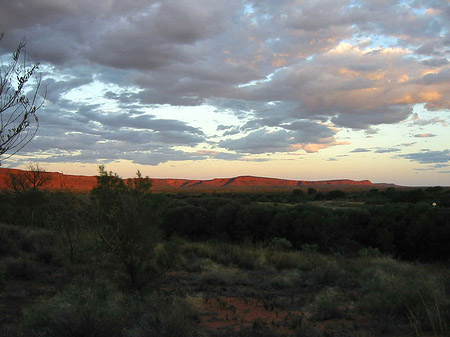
359	149
224	127
436	62
429	157
307	132
439	78
387	150
362	119
265	141
437	166
232	132
282	66
432	121
258	142
58	88
122	120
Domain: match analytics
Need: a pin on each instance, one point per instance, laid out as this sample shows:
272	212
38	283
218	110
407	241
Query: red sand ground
234	313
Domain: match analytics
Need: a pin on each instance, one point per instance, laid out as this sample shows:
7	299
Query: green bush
394	289
165	317
328	274
124	215
169	256
2	281
20	268
243	257
328	304
99	310
285	260
9	237
369	252
224	277
295	260
309	248
282	244
80	310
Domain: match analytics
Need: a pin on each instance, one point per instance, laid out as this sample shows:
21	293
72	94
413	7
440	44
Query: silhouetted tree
19	101
124	215
31	180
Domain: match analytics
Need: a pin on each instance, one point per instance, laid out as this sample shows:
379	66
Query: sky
295	89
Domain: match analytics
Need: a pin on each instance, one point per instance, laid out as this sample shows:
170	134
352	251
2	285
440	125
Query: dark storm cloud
279	66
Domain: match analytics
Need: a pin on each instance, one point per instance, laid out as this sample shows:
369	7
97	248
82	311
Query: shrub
369	252
309	248
327	305
169	256
394	289
243	257
285	260
295	260
165	317
124	216
45	254
2	282
80	310
282	244
20	269
9	236
225	277
328	274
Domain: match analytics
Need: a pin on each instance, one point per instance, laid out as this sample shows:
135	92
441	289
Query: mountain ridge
81	183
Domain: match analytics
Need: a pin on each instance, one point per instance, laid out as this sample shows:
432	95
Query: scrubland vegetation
122	261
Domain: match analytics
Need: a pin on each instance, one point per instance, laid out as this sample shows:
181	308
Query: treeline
408	224
413	225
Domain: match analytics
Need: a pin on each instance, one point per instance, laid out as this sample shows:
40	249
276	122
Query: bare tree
30	180
19	100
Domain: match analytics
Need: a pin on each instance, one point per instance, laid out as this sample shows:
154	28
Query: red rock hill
59	181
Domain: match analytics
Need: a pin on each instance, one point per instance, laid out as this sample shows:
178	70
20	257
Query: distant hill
78	183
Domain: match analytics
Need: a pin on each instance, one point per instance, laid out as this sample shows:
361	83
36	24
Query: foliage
124	217
20	268
30	180
165	316
19	102
328	304
394	289
79	310
2	281
68	220
280	244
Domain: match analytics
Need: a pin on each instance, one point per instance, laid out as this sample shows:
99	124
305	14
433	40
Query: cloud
424	135
432	121
436	62
428	157
387	150
280	68
360	149
297	135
